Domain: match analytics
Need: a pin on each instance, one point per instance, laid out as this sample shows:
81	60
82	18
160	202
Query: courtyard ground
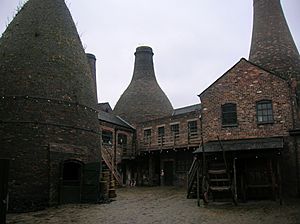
139	205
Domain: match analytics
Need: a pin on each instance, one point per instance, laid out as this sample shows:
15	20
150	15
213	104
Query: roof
188	109
241	60
113	119
243	144
104	107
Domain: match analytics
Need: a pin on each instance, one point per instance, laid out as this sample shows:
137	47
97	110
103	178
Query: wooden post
279	182
198	186
151	168
243	189
273	179
234	182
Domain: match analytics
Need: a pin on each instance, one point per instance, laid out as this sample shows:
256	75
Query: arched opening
71	181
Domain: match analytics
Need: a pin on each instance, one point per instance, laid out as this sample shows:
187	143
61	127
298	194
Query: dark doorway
80	182
4	168
90	191
71	182
168	173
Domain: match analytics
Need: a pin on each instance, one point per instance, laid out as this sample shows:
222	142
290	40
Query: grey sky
194	42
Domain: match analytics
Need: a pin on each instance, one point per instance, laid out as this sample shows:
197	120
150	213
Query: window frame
161	135
192	130
267	110
107	137
175	132
122	140
230	115
147	136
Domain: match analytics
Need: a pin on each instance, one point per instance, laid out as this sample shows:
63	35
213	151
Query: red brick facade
184	138
245	84
170	153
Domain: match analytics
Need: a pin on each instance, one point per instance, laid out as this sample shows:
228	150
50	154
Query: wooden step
219	180
216	171
260	186
223	188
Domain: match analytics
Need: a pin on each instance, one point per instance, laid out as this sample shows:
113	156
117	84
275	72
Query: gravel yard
165	205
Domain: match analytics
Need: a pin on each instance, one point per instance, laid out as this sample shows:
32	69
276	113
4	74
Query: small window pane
107	137
147	136
229	115
264	111
161	135
175	130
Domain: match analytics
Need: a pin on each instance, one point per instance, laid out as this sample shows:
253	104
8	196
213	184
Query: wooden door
90	182
71	172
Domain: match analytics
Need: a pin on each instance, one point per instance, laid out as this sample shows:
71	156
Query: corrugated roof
188	109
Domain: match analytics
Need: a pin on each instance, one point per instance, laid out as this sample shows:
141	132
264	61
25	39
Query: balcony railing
170	141
122	151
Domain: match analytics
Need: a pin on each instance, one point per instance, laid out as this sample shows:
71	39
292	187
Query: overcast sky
194	42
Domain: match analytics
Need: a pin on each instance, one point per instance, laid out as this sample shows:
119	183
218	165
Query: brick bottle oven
273	49
48	124
143	99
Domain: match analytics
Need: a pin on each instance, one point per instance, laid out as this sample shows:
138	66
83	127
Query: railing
126	152
107	156
168	141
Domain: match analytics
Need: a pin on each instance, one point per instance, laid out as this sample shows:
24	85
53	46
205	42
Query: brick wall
245	84
129	149
166	122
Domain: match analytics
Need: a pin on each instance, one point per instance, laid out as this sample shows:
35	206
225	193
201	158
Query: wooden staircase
219	178
192	178
108	159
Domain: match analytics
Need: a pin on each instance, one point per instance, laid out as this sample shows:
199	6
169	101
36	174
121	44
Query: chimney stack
92	63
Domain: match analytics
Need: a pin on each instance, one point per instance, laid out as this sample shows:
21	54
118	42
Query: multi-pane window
192	128
229	115
107	137
147	136
122	140
175	130
264	111
161	135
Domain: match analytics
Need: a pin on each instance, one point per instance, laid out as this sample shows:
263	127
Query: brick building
165	138
51	126
251	112
118	145
165	147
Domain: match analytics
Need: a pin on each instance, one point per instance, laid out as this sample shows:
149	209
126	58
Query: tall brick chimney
92	63
272	45
143	99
